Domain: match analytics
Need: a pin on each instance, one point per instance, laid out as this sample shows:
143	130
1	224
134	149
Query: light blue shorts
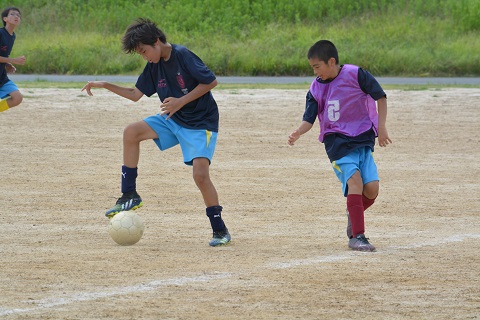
194	143
7	88
359	160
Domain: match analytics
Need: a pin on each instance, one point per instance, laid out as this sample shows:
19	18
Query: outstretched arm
19	60
302	129
129	93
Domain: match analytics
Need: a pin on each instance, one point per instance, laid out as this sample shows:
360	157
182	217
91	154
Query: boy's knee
14	100
200	177
371	189
200	172
127	133
17	101
130	133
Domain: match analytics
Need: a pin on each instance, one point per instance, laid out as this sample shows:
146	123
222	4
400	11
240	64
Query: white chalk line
154	285
89	296
350	254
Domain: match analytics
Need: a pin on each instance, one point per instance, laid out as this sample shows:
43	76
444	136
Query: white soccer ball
126	228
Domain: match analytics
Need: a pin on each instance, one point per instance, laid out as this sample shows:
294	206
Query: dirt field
60	167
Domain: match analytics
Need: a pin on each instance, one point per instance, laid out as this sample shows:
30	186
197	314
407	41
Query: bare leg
133	134
15	99
370	190
355	184
201	176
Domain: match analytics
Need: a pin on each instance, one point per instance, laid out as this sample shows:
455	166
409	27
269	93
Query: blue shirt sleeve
370	85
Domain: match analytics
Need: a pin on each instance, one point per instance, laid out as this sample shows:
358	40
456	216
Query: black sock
214	213
129	179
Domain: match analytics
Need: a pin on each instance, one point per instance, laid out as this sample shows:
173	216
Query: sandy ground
60	168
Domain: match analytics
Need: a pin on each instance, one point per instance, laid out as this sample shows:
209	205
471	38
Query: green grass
255	37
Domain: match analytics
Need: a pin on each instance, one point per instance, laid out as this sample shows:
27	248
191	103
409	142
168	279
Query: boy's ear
332	62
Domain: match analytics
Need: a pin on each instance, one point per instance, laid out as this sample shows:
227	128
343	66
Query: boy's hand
10	68
170	105
20	60
93	84
383	138
294	136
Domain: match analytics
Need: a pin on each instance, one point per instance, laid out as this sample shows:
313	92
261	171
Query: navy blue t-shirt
6	44
177	77
338	145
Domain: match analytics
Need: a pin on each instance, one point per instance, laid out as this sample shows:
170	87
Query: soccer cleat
349	227
220	238
128	201
360	243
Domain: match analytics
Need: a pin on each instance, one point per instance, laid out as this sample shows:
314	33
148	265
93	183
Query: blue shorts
194	143
359	160
7	88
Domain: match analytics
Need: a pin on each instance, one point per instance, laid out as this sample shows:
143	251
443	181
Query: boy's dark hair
323	50
142	31
6	11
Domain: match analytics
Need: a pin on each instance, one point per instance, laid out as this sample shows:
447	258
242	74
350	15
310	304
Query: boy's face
324	71
150	53
13	17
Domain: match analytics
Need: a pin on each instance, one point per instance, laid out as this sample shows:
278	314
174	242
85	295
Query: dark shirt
177	77
6	44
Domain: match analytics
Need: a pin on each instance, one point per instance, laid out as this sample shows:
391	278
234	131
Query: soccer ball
126	228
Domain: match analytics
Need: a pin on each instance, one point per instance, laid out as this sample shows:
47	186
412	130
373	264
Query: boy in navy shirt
343	97
188	116
10	96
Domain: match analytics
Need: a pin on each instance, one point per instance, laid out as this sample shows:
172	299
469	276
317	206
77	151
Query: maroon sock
367	202
356	212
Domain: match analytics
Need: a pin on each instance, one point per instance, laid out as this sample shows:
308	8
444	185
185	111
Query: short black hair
142	31
323	50
6	11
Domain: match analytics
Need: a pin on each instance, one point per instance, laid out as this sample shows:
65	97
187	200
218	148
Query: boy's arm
383	138
370	86
309	116
10	68
171	105
129	93
302	129
18	60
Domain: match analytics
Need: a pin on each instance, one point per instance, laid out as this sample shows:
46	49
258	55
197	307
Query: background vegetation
255	37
